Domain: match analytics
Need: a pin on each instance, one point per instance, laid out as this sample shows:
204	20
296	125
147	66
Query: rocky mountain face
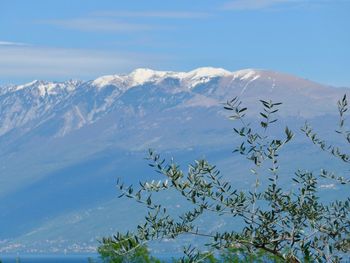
64	144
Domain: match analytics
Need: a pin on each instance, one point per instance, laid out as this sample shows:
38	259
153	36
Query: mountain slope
62	145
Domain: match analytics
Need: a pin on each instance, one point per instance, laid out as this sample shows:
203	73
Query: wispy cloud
9	43
258	4
123	21
99	25
154	14
29	62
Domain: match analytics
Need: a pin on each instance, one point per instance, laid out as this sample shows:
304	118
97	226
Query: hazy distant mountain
62	145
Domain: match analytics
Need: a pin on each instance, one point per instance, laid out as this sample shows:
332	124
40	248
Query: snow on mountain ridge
192	78
107	80
208	72
245	74
19	87
45	87
143	75
138	77
203	75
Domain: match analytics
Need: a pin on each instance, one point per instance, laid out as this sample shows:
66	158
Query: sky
82	39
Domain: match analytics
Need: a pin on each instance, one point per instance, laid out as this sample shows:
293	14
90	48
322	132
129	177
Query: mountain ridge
84	102
140	76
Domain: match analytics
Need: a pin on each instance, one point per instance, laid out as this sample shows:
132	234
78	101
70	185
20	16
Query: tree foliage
291	225
114	252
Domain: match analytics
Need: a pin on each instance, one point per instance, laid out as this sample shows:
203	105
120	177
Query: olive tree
291	225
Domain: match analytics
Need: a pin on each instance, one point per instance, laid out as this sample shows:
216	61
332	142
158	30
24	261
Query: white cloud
114	21
29	62
8	43
154	14
100	25
257	4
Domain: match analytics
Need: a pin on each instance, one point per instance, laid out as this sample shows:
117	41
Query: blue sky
84	39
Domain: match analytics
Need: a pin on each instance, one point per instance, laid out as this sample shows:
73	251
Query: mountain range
64	144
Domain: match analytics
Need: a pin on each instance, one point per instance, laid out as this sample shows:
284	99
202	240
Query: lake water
51	259
91	258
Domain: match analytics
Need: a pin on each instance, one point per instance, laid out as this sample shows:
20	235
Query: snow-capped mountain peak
137	77
203	75
141	76
208	72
